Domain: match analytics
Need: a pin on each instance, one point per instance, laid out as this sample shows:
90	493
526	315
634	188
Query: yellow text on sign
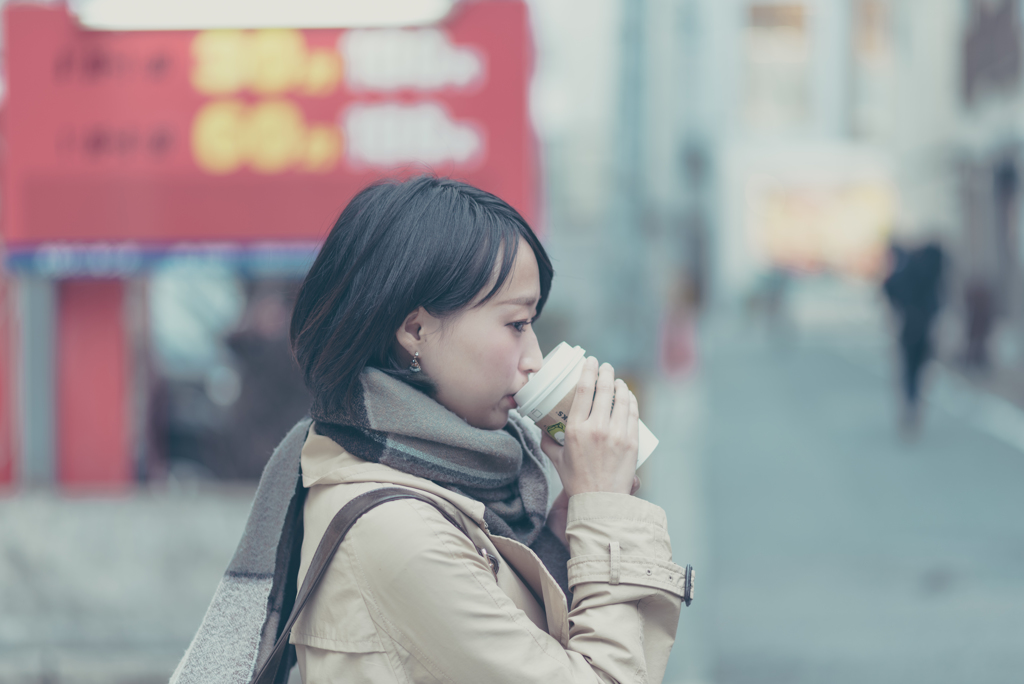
268	137
266	62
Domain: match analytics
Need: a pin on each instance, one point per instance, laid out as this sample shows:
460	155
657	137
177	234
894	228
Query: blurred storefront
798	130
833	126
164	192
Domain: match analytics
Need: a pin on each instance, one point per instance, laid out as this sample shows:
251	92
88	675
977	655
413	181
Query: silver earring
415	365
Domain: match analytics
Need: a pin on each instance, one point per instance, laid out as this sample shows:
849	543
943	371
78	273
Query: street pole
630	338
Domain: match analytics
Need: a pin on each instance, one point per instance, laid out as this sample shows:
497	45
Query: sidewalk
1005	381
842	552
110	589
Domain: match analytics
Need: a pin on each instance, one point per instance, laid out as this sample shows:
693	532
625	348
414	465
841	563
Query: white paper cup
547	397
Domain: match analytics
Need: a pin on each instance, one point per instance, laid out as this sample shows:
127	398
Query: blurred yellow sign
267	62
270	136
842	227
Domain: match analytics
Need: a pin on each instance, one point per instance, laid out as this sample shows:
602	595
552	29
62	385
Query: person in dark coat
914	289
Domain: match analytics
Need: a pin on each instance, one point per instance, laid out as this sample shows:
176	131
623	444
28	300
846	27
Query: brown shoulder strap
336	531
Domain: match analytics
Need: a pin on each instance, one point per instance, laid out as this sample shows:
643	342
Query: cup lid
558	363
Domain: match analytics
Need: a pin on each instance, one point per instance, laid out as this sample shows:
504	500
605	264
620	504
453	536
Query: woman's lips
512	400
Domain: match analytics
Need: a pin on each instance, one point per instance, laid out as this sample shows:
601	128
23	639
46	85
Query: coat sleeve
428	591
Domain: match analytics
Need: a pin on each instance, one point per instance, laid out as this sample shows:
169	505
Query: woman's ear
409	335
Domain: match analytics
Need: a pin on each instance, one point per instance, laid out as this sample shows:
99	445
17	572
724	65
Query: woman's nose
532	358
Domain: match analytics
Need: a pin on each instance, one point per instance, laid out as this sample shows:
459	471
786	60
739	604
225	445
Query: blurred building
798	123
989	135
707	143
840	124
716	141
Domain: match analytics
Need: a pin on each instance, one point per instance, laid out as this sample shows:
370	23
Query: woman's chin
495	421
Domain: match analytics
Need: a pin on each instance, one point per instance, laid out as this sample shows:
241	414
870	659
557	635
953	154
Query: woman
414	330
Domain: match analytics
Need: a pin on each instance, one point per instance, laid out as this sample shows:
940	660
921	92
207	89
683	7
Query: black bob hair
397	246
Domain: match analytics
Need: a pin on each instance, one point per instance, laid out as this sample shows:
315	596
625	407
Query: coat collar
325	462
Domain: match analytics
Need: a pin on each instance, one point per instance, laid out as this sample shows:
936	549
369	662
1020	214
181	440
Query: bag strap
336	531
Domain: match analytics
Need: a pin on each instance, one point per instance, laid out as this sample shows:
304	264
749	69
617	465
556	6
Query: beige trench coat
408	598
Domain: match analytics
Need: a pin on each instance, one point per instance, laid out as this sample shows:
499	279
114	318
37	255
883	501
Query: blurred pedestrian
914	289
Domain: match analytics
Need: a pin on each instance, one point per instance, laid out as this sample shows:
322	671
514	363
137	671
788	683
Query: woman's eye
519	325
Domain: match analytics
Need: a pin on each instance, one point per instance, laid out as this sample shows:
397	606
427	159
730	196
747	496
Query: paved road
830	550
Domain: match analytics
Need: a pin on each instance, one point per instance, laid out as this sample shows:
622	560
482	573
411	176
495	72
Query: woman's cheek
510	359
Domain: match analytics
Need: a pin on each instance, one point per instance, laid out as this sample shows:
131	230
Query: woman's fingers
600	445
584	398
602	409
620	410
551	448
633	421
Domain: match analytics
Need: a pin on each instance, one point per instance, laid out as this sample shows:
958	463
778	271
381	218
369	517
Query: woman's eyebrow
520	301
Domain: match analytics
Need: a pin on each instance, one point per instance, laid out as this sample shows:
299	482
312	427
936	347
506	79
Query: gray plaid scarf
256	593
399	426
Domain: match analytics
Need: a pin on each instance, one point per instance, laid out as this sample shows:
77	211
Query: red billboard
121	147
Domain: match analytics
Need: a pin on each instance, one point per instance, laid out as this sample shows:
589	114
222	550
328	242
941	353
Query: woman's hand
601	442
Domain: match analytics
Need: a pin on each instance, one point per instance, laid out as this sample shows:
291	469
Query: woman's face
480	357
